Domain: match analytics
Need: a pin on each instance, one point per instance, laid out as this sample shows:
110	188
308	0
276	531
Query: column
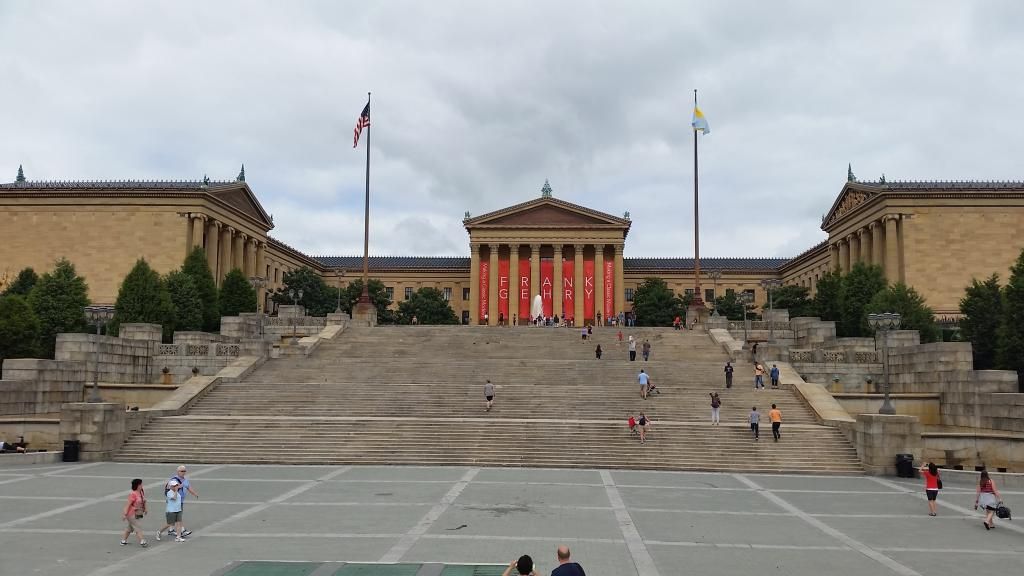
261	270
620	280
250	259
513	282
226	233
559	291
844	256
865	245
237	252
188	235
892	255
198	227
492	285
474	284
875	228
577	283
534	272
212	246
833	256
598	281
854	249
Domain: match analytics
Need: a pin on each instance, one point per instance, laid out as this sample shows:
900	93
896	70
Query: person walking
646	349
776	418
728	374
644	380
758	377
172	514
931	486
632	348
755	422
643	423
620	338
986	497
774	375
597	352
716	404
184	488
133	513
566	567
489	395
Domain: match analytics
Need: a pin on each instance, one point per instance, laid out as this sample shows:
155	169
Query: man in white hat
184	487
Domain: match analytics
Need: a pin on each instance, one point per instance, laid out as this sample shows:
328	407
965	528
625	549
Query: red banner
568	300
588	290
609	289
524	288
485	287
547	285
503	289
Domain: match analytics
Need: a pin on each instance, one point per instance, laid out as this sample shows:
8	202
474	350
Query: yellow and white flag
700	122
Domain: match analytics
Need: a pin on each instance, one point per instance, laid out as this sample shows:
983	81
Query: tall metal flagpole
698	300
365	296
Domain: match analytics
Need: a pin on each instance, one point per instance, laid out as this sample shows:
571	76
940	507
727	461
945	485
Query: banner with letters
524	289
588	290
568	297
609	290
503	289
547	285
485	287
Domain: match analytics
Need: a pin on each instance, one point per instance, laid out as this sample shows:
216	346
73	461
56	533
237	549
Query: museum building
934	236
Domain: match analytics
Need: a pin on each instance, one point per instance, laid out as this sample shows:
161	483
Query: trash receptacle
905	465
71	448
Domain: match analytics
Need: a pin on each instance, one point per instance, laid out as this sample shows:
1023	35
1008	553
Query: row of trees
993	320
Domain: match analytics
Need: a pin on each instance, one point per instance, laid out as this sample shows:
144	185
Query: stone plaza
65	520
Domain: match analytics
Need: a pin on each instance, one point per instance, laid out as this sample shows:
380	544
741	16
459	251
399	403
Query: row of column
226	248
877	243
515	253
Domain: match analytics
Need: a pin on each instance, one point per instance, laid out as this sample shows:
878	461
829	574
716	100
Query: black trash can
905	466
71	448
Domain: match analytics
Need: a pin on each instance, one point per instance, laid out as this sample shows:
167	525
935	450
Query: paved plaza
64	519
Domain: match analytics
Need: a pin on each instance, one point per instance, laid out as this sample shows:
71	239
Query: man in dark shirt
566	567
728	374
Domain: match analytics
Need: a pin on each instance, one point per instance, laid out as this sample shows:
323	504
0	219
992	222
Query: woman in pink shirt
134	510
987	498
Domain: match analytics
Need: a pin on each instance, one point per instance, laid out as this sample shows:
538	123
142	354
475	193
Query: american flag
362	122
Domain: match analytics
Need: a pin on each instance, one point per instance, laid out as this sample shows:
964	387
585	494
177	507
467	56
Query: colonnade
560	253
226	248
877	243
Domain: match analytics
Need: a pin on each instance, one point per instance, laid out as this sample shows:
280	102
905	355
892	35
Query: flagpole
698	299
365	296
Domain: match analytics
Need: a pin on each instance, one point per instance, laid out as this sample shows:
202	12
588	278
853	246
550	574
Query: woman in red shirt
134	510
931	487
987	498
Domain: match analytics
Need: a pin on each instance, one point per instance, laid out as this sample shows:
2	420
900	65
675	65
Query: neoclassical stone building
935	236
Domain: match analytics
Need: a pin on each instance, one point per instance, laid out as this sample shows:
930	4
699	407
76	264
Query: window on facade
465	295
709	294
688	291
448	294
465	316
390	291
629	294
408	293
729	292
277	274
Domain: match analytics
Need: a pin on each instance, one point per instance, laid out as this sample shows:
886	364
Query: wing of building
935	236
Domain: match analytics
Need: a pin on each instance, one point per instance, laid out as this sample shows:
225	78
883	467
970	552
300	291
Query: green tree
826	297
1011	330
318	298
428	306
654	303
236	294
188	305
858	288
19	329
378	296
59	300
911	306
982	309
730	306
143	297
793	298
198	268
23	284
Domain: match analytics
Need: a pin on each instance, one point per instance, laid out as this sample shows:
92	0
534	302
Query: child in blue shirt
173	514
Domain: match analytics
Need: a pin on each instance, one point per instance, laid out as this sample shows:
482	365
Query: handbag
938	481
1003	512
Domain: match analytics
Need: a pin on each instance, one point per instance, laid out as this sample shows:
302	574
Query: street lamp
97	316
341	275
258	282
295	296
714	275
745	299
885	322
770	284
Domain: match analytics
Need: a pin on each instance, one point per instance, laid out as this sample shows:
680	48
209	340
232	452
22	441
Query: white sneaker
179	539
158	536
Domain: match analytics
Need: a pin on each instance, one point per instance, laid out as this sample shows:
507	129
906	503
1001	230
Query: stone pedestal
880	437
100	427
364	314
337	318
289	310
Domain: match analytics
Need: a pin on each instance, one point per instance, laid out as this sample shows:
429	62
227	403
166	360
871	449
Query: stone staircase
414	395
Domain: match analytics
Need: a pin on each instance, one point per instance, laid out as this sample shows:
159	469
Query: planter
167	378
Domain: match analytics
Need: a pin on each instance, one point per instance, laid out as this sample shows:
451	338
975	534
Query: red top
931	482
632	422
986	486
135	502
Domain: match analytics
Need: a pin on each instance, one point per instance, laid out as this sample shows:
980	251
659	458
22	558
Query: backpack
716	402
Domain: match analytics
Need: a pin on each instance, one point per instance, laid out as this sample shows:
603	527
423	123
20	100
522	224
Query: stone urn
166	377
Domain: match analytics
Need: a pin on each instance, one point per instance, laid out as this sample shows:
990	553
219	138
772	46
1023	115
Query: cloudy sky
476	103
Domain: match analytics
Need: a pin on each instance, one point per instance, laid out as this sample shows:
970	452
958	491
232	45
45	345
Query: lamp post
714	275
885	322
295	296
97	316
341	275
745	299
257	283
770	284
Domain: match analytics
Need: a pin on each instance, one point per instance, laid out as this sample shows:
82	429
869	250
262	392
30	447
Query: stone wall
995	451
36	386
100	427
812	332
880	437
926	407
121	360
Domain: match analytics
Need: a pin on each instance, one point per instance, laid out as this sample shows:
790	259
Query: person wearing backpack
932	485
716	403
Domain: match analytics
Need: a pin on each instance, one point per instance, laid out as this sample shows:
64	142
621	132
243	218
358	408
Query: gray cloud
476	103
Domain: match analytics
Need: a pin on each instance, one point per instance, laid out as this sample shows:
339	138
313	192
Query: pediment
241	198
851	197
546	212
